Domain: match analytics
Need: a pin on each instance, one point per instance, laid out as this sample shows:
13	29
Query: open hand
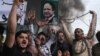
31	15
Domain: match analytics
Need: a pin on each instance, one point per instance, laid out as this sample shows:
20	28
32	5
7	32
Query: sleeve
7	51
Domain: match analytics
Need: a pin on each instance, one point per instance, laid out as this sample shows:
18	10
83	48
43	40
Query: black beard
19	47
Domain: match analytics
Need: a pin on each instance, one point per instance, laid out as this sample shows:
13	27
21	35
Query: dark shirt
14	51
1	48
59	46
96	50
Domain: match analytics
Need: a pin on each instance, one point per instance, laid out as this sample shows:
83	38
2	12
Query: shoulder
53	44
5	47
96	45
8	51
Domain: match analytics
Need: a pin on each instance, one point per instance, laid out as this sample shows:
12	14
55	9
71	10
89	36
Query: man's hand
62	19
40	23
92	12
16	2
31	15
37	41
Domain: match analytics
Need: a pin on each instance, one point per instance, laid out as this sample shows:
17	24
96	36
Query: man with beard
16	43
81	44
61	46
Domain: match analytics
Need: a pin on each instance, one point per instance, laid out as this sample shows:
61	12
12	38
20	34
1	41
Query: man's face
79	34
66	53
42	38
61	38
47	10
50	29
22	40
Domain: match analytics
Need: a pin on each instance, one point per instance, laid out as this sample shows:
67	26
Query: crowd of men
52	38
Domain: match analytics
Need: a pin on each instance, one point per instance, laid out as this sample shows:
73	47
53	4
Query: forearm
11	27
67	33
92	26
12	20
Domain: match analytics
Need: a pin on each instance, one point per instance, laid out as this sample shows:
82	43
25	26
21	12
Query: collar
51	17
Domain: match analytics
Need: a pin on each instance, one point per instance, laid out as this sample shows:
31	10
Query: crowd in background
48	36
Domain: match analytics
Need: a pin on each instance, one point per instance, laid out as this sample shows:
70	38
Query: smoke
70	9
67	6
78	5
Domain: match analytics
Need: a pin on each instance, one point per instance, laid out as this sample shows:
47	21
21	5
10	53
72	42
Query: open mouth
42	39
24	42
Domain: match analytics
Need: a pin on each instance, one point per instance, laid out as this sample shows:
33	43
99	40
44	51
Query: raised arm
11	25
67	33
31	16
92	27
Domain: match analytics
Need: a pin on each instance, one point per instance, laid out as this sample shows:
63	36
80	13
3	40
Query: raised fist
92	12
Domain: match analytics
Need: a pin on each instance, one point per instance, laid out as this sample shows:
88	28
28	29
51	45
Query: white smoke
70	9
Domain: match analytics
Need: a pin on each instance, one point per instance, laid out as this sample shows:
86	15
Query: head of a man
50	29
60	36
42	37
48	9
79	34
66	53
98	36
22	39
65	49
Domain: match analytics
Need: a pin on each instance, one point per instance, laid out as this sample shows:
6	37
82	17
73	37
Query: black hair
98	36
63	47
21	31
57	34
51	3
77	29
42	33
